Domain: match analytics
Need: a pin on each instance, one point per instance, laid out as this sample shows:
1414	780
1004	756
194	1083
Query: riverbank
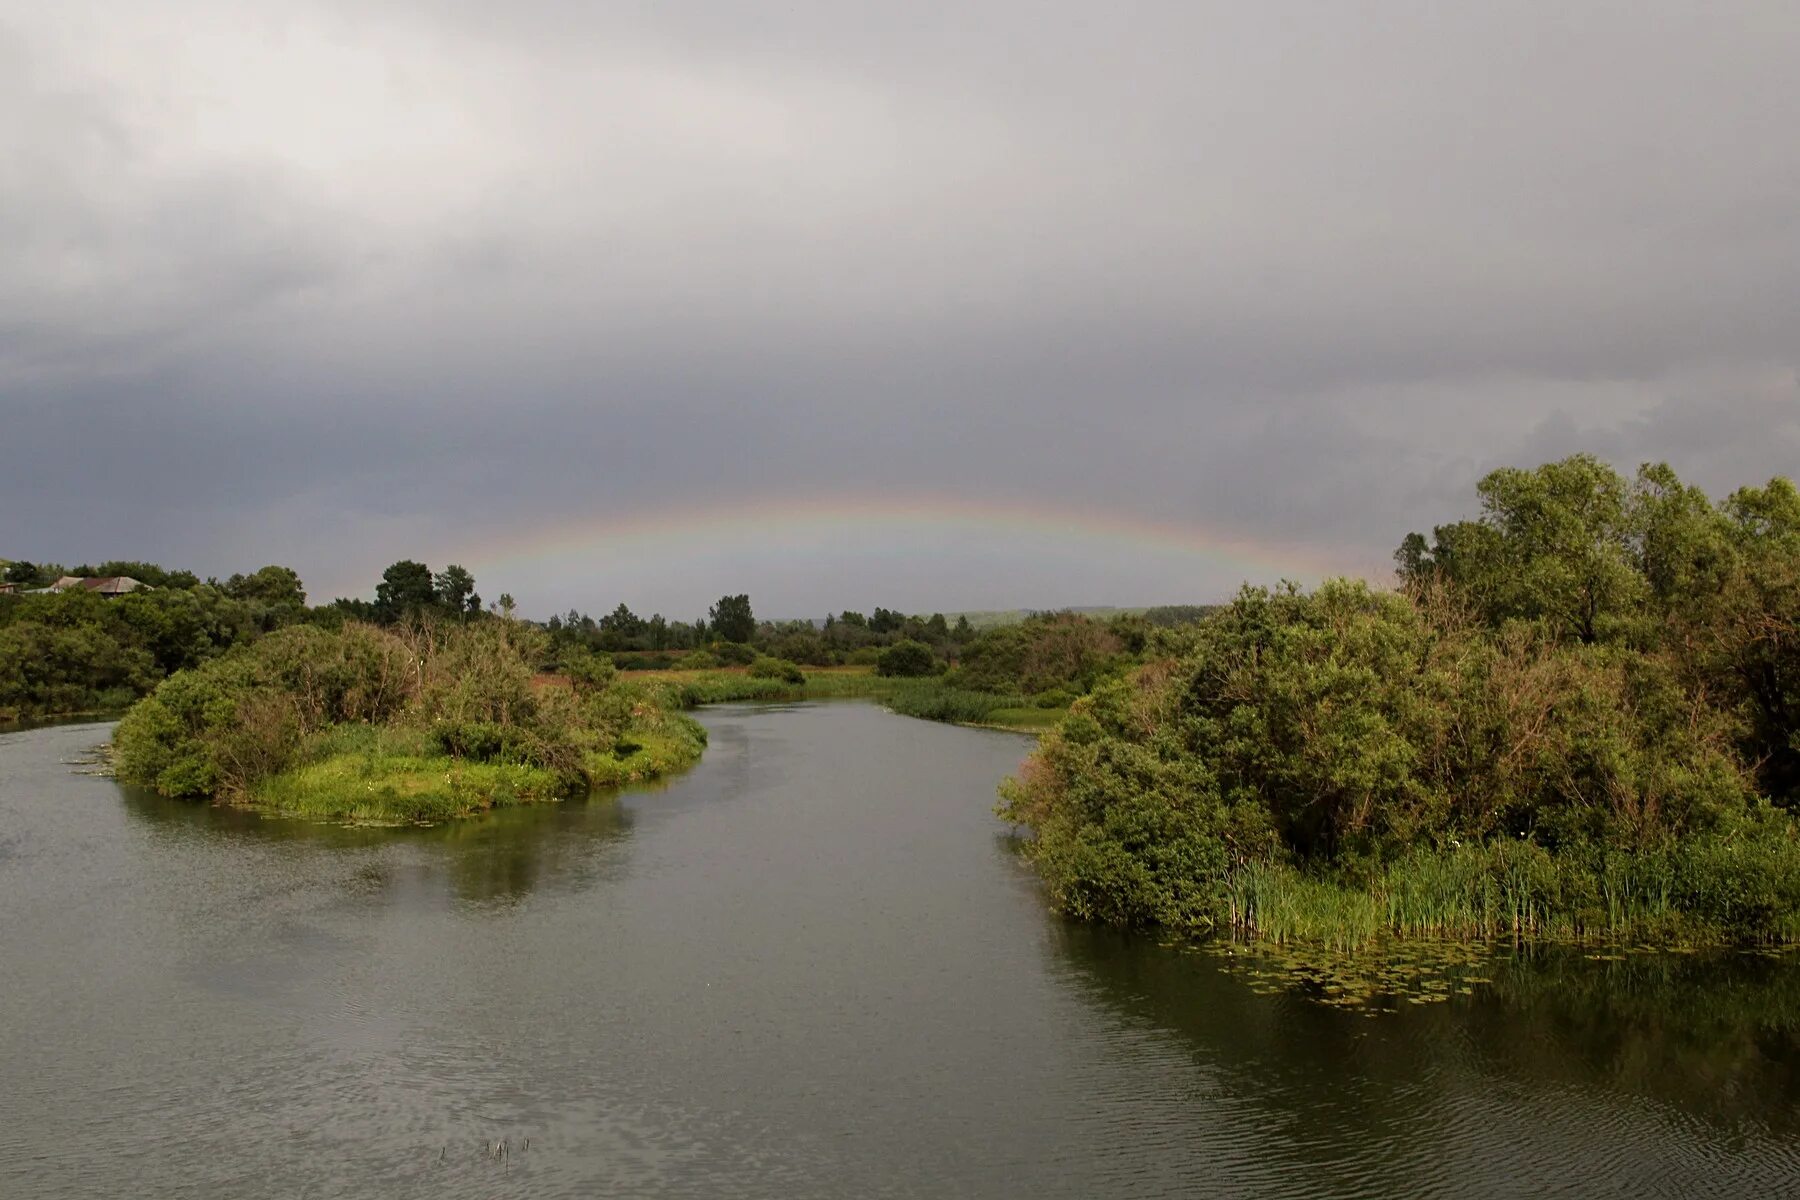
1579	717
371	726
928	698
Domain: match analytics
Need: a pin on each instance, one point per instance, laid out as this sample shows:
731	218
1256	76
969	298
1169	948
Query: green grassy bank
395	726
928	698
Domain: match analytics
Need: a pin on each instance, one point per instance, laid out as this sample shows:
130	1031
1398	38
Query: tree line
1577	714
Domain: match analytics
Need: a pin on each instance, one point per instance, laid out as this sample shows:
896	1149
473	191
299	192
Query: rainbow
894	523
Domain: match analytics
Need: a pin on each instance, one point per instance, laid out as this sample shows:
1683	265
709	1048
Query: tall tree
405	588
455	590
732	619
277	587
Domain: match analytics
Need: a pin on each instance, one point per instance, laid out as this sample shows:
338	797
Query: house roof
106	585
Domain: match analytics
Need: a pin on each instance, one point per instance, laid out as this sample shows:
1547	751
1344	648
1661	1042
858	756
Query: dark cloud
319	284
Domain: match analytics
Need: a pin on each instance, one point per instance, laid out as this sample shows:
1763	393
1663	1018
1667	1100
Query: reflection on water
1687	1066
811	967
501	858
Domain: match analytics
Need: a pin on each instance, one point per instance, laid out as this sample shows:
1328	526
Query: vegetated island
424	705
1579	717
436	718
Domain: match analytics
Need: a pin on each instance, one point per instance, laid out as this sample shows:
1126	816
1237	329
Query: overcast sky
333	283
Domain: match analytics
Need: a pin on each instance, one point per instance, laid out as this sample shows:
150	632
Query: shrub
433	721
907	659
776	668
1347	762
735	654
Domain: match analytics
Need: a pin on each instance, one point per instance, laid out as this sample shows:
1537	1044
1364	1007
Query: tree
21	572
277	587
732	619
455	590
506	605
622	628
1556	544
406	588
907	659
588	672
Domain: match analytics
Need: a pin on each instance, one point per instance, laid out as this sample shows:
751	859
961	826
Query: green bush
733	654
907	659
1350	763
776	668
401	724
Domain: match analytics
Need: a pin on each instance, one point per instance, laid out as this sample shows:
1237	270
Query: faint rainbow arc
740	522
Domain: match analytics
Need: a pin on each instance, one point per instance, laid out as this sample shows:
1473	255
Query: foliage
777	668
589	672
406	589
78	651
1057	650
454	589
1576	720
414	723
734	654
907	659
732	620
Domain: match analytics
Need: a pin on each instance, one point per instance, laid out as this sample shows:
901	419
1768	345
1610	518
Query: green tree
623	628
732	619
406	589
907	659
277	587
454	588
1556	544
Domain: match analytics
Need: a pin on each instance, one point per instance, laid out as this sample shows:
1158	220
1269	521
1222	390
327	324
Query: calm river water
810	967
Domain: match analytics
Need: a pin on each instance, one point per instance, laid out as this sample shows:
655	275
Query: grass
927	698
393	775
1691	896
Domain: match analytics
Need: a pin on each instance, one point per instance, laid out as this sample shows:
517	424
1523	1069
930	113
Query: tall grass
1680	894
932	700
929	699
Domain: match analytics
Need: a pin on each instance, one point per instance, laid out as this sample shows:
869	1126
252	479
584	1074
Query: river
813	966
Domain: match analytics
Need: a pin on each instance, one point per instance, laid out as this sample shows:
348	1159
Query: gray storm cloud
312	283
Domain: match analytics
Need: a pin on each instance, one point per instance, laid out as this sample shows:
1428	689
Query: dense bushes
449	715
1569	722
765	667
1063	651
77	651
907	659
